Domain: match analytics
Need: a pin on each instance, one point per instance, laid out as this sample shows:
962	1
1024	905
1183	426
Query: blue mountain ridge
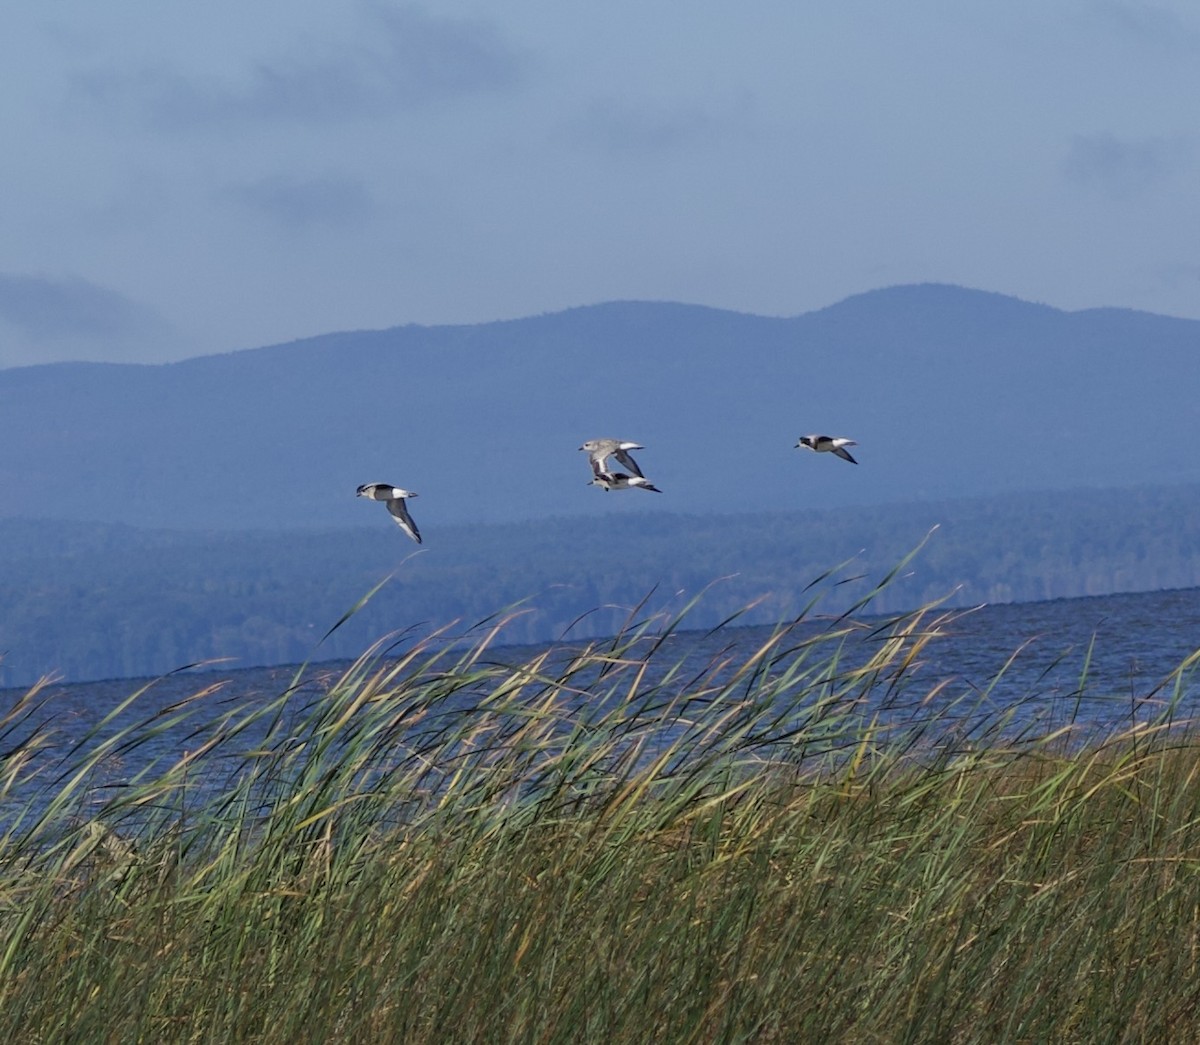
950	392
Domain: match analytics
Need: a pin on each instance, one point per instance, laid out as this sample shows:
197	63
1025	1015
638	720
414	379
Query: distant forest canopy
105	601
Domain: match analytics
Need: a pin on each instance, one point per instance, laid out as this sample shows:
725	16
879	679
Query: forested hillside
105	601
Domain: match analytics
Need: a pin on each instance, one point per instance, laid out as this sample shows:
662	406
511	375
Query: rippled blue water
1099	661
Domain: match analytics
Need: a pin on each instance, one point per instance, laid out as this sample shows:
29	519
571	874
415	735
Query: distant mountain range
949	392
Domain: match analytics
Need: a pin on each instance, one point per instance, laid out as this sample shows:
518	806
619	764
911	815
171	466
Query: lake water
1100	662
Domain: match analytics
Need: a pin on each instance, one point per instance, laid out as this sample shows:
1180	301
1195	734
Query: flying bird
394	498
600	450
828	444
621	481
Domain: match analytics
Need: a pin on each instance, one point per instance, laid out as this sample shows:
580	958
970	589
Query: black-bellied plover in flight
621	481
828	444
600	450
393	497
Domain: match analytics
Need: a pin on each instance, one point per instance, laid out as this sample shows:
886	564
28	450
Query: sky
180	179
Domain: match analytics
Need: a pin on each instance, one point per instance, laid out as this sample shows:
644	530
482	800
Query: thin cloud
44	319
426	57
408	58
1119	167
615	126
46	309
1149	23
303	203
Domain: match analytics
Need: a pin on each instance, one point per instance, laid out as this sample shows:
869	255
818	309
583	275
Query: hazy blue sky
182	179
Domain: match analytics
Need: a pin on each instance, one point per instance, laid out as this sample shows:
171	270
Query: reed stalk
798	842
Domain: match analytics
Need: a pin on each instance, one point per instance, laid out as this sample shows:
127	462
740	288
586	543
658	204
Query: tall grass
792	843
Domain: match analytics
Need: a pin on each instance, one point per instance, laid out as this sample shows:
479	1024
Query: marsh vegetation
802	843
